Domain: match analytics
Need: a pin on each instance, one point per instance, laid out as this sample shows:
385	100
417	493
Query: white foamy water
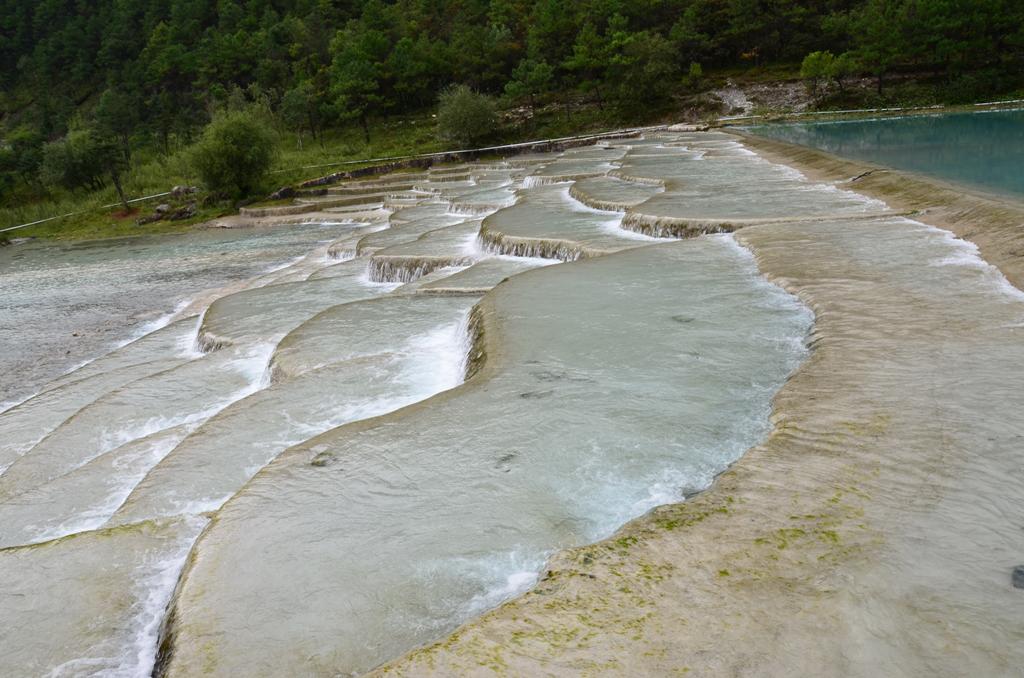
614	227
440	355
154	582
501	576
250	365
966	253
99	497
152	326
577	206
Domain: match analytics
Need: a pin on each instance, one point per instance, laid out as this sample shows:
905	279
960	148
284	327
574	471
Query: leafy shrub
84	159
816	67
465	117
234	154
970	87
79	160
842	67
23	147
694	76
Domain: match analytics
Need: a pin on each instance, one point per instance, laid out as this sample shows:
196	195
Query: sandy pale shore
875	531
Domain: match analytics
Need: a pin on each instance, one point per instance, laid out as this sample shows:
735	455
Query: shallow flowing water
658	376
63	304
367	434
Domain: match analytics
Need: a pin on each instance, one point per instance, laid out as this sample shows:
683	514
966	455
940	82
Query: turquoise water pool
985	150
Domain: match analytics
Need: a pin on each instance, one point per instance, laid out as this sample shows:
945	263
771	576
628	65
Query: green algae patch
684	515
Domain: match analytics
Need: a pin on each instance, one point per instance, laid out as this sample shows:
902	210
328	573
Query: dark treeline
149	71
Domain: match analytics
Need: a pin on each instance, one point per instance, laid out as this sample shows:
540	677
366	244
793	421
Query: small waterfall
342	252
625	176
576	193
495	242
408	269
535	181
476	210
443	178
672	227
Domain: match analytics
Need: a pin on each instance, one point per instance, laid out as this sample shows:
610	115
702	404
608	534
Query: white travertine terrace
321	469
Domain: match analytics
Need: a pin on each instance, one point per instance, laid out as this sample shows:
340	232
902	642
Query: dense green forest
124	75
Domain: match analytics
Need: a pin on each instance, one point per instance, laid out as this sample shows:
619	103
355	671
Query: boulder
186	212
282	193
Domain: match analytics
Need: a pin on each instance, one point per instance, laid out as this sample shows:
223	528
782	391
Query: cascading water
355	497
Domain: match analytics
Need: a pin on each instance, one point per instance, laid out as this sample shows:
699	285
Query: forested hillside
163	63
146	73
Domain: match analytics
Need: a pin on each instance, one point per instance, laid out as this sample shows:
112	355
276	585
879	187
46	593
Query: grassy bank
154	173
298	159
